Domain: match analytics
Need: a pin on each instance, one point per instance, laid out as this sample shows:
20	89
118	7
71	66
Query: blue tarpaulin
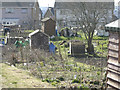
52	48
2	41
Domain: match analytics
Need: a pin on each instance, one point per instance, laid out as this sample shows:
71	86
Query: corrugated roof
113	26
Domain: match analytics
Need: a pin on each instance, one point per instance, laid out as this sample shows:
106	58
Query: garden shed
77	47
113	71
12	40
39	40
48	26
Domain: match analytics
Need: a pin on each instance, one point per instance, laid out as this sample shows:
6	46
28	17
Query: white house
26	14
65	16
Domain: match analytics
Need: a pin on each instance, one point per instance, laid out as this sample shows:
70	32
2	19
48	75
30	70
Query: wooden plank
119	50
117	71
110	88
113	76
113	84
114	62
113	53
113	58
113	46
115	68
113	40
114	37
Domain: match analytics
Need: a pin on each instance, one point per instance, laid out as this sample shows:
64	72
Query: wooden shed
77	47
39	40
48	26
113	71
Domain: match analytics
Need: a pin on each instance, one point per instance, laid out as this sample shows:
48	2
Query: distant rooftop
73	5
18	4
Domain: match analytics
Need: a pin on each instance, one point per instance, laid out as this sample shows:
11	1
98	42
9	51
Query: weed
61	78
75	81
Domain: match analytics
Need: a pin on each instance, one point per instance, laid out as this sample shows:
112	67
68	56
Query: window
4	22
24	10
9	10
62	12
7	22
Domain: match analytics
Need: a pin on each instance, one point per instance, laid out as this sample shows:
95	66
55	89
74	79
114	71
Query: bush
49	80
46	80
54	83
61	78
98	73
96	82
75	81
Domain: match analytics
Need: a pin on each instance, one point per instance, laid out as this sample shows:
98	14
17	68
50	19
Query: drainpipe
0	13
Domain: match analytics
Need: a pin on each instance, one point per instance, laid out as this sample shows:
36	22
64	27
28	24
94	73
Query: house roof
73	5
46	19
19	4
51	10
113	26
36	31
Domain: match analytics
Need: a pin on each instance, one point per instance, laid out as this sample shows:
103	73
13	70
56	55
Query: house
39	40
101	30
50	13
63	15
66	16
26	14
117	10
48	26
113	68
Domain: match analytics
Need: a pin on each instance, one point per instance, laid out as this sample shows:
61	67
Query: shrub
54	83
46	80
75	81
61	78
98	73
96	82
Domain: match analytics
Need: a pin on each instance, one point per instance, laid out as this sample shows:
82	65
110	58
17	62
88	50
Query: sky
50	3
46	3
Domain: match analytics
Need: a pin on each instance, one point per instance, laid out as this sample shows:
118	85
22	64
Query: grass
100	43
54	73
30	31
17	78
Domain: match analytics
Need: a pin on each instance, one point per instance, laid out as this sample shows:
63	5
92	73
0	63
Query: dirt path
13	77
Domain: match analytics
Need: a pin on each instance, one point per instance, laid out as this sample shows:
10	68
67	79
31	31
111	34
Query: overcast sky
46	3
50	3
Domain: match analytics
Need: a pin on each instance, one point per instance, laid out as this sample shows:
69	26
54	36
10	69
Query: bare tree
92	14
89	16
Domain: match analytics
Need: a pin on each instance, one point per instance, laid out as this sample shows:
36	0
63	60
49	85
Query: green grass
29	31
99	41
100	38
